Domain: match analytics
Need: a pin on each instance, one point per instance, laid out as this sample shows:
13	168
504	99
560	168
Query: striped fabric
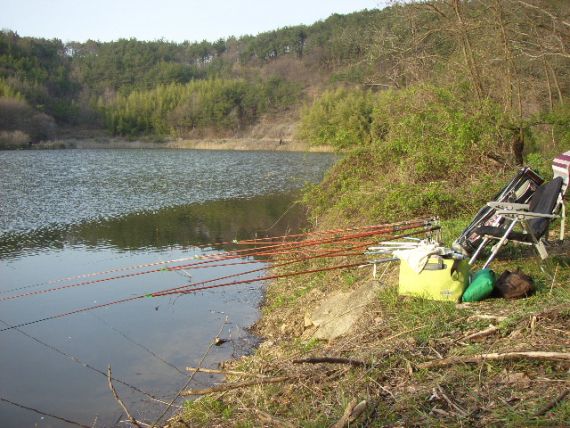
561	168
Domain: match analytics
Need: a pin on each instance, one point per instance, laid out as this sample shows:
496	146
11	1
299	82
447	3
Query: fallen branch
351	413
331	360
229	386
479	334
225	372
266	418
114	391
473	359
497	318
553	403
458	409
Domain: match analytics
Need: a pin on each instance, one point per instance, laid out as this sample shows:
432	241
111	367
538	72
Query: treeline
193	108
511	52
71	82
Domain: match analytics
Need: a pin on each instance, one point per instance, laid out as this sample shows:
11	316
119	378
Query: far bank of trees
218	105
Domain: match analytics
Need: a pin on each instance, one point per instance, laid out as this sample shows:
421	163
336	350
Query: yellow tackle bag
441	279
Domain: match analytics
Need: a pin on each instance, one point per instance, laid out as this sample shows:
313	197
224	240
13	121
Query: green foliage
424	153
560	120
38	71
212	104
6	91
398	47
340	118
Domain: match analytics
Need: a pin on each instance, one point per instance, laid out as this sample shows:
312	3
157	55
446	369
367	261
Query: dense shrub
340	118
425	151
222	105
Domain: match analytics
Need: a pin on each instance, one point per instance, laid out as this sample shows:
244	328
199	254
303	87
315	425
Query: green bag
481	286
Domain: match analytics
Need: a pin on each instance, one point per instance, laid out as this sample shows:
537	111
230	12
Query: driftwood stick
479	334
358	410
351	413
114	391
530	355
228	386
344	419
144	425
225	372
331	360
553	403
266	418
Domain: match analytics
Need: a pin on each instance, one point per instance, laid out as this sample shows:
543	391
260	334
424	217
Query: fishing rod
149	295
287	263
171	269
418	222
249	281
334	253
298	244
178	290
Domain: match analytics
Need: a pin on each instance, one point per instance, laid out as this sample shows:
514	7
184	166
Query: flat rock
339	312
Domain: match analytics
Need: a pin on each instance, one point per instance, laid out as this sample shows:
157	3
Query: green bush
222	105
340	118
425	151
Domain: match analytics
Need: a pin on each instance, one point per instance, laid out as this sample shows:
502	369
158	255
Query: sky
172	20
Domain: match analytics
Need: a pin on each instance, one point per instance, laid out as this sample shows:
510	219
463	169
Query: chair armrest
524	214
508	206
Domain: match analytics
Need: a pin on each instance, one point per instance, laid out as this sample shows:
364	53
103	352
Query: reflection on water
147	342
196	224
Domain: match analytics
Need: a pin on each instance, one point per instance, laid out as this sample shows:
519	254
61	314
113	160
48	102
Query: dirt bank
199	144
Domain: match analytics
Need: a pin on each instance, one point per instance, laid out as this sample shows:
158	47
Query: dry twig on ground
530	355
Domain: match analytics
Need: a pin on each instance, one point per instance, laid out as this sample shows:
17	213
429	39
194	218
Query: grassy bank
419	151
393	339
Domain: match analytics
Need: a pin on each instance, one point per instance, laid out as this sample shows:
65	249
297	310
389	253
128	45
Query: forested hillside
508	52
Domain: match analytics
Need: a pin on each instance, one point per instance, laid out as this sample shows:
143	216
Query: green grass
206	408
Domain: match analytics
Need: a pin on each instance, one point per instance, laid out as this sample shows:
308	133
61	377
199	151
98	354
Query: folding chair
545	205
519	190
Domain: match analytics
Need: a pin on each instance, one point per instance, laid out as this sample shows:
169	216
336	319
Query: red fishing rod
296	244
133	298
178	290
418	222
131	275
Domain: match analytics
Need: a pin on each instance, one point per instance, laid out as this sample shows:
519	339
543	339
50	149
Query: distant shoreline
237	144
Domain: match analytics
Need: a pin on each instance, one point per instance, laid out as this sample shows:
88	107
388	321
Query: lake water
64	214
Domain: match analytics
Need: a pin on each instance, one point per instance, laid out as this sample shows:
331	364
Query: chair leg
562	221
478	250
539	245
499	244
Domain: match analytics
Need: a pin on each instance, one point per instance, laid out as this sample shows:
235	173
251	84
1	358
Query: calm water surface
69	213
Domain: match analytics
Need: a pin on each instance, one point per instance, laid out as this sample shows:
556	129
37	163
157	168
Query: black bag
514	285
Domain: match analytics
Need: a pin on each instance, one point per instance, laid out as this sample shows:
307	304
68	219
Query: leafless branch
114	391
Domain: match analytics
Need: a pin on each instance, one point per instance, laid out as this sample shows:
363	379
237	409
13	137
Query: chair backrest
561	168
544	201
